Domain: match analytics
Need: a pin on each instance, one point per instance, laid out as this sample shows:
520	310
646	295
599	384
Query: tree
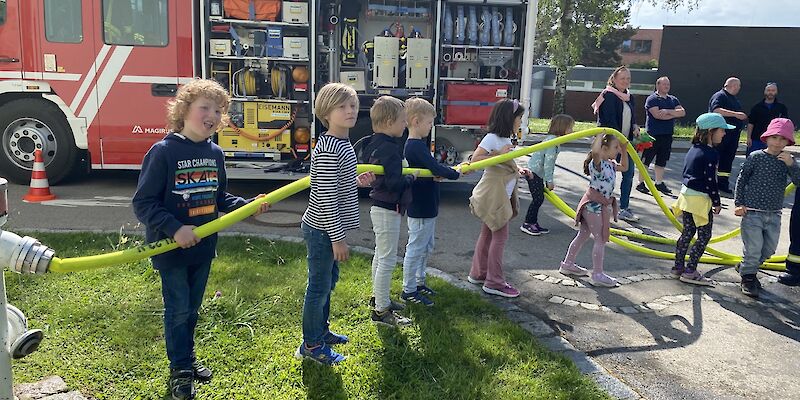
603	53
567	28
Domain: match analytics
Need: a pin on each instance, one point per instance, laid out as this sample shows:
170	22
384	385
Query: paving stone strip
663	302
628	280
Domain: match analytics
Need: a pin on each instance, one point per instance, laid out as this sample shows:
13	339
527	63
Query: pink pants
487	263
591	223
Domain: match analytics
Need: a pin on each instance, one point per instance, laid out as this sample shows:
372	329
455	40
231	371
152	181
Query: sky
783	13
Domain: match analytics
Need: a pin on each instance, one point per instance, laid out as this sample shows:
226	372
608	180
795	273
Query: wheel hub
23	137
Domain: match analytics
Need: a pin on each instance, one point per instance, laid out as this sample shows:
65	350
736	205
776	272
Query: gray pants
760	233
386	225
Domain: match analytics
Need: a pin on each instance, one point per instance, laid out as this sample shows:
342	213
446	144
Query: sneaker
573	270
322	354
181	384
530	229
603	280
541	230
750	285
416	297
789	279
426	290
627	215
695	278
641	187
331	339
676	272
201	373
662	187
389	318
505	291
393	305
474	281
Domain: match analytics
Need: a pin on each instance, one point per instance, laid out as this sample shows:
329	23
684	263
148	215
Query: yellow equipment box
261	121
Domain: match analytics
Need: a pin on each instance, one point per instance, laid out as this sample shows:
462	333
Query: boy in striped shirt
332	211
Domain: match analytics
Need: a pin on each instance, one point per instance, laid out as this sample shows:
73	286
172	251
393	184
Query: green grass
539	125
103	334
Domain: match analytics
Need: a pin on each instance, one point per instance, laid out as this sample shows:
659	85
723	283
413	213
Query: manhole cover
279	218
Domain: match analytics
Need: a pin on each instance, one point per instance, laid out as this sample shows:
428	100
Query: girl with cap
699	197
759	199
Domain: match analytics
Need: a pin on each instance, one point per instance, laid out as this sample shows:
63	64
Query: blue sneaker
426	290
322	354
331	339
416	297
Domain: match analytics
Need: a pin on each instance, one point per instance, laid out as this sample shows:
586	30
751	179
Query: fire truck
86	81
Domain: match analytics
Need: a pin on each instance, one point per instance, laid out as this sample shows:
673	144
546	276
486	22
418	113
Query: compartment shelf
256	23
478	80
469	46
282	59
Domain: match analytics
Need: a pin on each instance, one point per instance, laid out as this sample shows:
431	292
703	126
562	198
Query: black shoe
750	285
641	187
789	279
201	373
394	305
181	384
662	187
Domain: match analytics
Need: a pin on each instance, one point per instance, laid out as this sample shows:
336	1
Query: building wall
655	36
698	59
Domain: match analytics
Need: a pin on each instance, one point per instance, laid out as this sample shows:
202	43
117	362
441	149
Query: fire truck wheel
30	124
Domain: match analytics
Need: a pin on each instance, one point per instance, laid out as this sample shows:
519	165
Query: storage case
295	12
295	47
471	103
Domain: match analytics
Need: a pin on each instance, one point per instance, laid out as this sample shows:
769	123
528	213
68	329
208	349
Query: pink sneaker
603	280
573	270
506	291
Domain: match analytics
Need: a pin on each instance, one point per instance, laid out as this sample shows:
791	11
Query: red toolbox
471	103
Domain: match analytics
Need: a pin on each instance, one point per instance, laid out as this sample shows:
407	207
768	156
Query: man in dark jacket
761	114
725	103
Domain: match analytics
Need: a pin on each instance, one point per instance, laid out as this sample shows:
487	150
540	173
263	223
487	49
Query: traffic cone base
40	188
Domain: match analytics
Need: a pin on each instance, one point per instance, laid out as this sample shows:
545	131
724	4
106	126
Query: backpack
257	10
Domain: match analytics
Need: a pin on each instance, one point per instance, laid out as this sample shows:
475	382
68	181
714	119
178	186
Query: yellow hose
152	249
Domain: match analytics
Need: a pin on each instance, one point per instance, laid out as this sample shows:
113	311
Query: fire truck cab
86	81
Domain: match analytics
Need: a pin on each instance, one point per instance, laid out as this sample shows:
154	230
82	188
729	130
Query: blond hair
417	107
178	108
331	96
385	112
559	124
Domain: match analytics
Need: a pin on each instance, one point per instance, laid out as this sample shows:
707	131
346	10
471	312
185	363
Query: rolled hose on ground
162	246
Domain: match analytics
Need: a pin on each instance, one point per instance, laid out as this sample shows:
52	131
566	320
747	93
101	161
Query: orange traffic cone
40	188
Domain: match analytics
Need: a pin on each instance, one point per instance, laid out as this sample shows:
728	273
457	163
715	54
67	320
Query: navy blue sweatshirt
388	189
610	113
425	191
182	183
700	171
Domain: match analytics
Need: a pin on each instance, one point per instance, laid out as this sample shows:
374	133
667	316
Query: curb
544	334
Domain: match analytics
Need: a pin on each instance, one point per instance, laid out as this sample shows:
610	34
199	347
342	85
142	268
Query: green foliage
103	333
645	64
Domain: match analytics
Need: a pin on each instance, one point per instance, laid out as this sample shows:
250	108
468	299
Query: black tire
28	124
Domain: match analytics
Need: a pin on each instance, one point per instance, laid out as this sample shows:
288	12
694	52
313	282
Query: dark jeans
323	272
727	153
793	259
627	182
536	186
182	289
699	247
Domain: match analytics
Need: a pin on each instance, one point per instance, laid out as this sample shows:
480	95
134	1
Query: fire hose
151	249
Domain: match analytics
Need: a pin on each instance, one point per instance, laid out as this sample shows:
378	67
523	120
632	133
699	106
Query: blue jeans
420	246
760	233
323	273
627	184
182	288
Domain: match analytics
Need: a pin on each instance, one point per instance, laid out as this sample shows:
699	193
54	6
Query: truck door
10	48
139	76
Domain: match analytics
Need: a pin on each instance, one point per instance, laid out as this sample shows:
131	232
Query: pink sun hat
781	127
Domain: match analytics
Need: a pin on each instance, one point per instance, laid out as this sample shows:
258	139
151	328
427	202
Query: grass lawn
103	334
539	125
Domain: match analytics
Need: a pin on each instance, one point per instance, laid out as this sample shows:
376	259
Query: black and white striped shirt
333	203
